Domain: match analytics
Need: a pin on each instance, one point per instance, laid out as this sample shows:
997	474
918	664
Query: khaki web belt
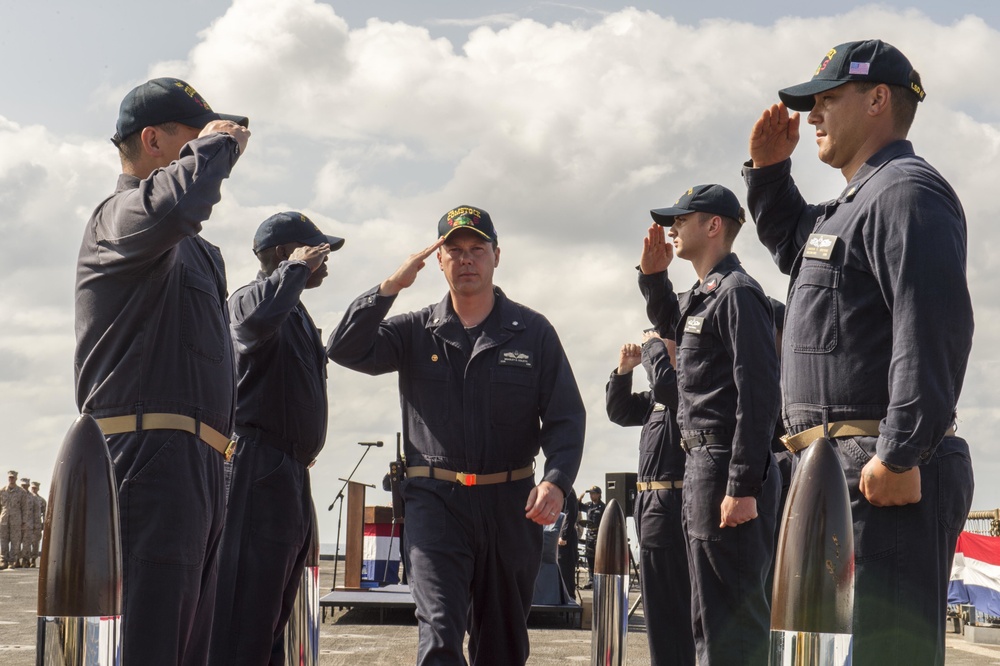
117	425
465	479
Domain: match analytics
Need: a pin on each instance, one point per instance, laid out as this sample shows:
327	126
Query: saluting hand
235	130
629	357
313	256
657	253
774	136
406	274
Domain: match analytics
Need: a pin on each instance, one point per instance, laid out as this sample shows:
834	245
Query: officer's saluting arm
258	310
662	376
363	340
783	218
167	206
662	308
624	407
746	330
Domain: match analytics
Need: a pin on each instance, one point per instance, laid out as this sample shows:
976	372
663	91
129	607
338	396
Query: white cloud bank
567	134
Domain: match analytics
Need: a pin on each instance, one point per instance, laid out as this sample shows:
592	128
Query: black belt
698	441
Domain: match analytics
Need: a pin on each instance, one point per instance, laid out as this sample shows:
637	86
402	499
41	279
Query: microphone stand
340	498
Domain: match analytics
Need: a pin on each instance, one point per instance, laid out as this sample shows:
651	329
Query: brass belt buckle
230	449
465	479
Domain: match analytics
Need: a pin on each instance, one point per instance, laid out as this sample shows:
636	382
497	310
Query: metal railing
986	523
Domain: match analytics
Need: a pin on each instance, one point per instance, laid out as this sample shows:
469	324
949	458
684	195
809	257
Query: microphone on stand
378	444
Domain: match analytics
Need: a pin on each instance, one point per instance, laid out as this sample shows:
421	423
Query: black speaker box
621	486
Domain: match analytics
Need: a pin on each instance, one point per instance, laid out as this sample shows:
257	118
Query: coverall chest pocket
429	394
513	397
303	381
695	356
203	324
813	330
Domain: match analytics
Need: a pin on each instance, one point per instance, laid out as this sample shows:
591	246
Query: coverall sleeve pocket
814	329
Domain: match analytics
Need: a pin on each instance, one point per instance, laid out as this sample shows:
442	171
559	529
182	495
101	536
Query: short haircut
268	259
730	229
904	101
130	148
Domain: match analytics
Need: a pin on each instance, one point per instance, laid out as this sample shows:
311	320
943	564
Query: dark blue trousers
903	556
731	615
663	573
266	538
473	558
170	503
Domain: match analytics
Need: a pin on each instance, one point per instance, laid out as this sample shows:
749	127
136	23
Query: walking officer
484	385
728	401
663	562
154	362
281	417
878	335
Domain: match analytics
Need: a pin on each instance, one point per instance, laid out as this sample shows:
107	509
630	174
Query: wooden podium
353	554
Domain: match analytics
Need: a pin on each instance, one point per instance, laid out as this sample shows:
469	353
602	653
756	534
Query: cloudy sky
568	122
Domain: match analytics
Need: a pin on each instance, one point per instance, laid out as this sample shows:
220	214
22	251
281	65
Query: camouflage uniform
27	525
12	501
39	516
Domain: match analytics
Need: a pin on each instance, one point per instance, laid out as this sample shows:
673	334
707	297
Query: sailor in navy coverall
281	417
663	563
484	384
878	334
727	374
154	361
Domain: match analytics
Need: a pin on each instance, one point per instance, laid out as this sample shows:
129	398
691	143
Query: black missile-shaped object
80	577
812	602
611	582
302	629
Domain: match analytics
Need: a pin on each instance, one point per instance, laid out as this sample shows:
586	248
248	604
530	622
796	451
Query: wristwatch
895	469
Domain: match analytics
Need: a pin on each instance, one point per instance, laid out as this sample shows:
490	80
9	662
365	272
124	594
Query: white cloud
567	134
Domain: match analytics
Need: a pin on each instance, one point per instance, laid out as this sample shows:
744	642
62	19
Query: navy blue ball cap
467	217
291	227
165	100
871	60
713	199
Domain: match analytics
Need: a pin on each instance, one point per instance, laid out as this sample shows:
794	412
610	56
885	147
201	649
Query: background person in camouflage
28	527
39	515
12	501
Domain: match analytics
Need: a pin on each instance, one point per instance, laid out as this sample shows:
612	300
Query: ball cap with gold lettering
467	217
714	199
165	100
871	60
